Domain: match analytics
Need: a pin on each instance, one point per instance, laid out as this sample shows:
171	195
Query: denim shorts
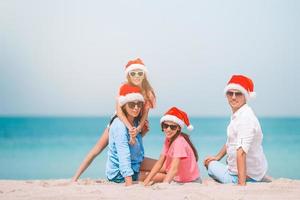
120	179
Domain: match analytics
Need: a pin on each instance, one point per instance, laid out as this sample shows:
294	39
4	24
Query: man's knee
210	167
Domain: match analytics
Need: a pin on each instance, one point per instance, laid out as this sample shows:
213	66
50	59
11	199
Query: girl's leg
220	173
96	150
148	164
146	167
159	177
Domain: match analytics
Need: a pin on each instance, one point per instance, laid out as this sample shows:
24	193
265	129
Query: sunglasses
138	73
166	126
132	105
237	94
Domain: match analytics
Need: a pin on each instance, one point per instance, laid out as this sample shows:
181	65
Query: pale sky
67	58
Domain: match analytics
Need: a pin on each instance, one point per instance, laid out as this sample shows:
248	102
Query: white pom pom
190	127
252	95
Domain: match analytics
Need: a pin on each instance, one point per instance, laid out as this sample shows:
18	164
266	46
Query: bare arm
221	153
122	116
173	170
157	166
100	145
218	157
241	166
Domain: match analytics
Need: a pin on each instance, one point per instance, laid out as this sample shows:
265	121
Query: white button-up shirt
244	131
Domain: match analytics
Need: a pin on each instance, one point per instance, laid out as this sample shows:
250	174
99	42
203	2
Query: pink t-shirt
188	167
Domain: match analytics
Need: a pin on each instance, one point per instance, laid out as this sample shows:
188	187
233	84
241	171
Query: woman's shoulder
117	124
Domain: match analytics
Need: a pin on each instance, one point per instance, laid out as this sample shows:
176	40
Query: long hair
187	138
146	87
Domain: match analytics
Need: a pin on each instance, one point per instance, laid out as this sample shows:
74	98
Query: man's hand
208	159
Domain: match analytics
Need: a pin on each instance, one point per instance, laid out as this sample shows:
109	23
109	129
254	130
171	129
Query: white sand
91	189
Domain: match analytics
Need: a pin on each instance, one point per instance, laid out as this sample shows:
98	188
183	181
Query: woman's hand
128	180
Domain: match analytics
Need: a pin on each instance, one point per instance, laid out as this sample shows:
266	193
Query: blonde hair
146	87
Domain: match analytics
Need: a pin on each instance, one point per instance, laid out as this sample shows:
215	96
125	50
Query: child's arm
157	166
122	117
173	170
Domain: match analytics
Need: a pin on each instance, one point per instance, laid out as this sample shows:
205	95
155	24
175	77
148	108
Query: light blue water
50	148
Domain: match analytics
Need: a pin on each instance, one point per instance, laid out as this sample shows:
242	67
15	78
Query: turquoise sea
52	148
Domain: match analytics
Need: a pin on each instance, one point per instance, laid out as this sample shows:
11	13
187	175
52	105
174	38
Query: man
246	161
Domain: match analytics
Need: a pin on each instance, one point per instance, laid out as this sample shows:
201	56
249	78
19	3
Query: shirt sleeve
245	135
165	148
179	149
122	146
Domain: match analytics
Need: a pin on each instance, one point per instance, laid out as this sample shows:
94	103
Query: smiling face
236	99
133	108
136	77
170	128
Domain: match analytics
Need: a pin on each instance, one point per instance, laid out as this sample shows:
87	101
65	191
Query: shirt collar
239	111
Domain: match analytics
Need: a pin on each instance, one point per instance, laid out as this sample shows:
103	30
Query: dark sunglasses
139	73
237	94
132	105
166	126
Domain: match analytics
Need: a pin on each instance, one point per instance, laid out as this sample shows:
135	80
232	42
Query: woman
136	73
124	159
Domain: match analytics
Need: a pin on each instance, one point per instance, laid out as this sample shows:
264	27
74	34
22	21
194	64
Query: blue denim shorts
120	179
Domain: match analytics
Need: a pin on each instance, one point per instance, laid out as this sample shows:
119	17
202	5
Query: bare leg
158	178
96	150
146	167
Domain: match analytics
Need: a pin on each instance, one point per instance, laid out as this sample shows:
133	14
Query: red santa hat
135	64
241	83
177	116
129	93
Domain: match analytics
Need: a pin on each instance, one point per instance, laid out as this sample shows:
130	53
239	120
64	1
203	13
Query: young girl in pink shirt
178	160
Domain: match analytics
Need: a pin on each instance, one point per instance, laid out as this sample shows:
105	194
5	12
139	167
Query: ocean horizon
54	147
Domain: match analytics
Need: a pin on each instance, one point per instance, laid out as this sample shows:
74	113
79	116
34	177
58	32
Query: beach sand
101	189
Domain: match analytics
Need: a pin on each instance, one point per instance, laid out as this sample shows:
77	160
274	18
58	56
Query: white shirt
244	131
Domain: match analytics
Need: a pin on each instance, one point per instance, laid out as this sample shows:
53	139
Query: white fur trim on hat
136	66
233	86
130	97
172	118
190	127
252	95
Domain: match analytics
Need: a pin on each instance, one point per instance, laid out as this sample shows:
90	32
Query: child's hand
133	133
132	140
148	183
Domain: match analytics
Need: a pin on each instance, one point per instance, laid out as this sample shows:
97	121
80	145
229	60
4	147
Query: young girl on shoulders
137	75
178	160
